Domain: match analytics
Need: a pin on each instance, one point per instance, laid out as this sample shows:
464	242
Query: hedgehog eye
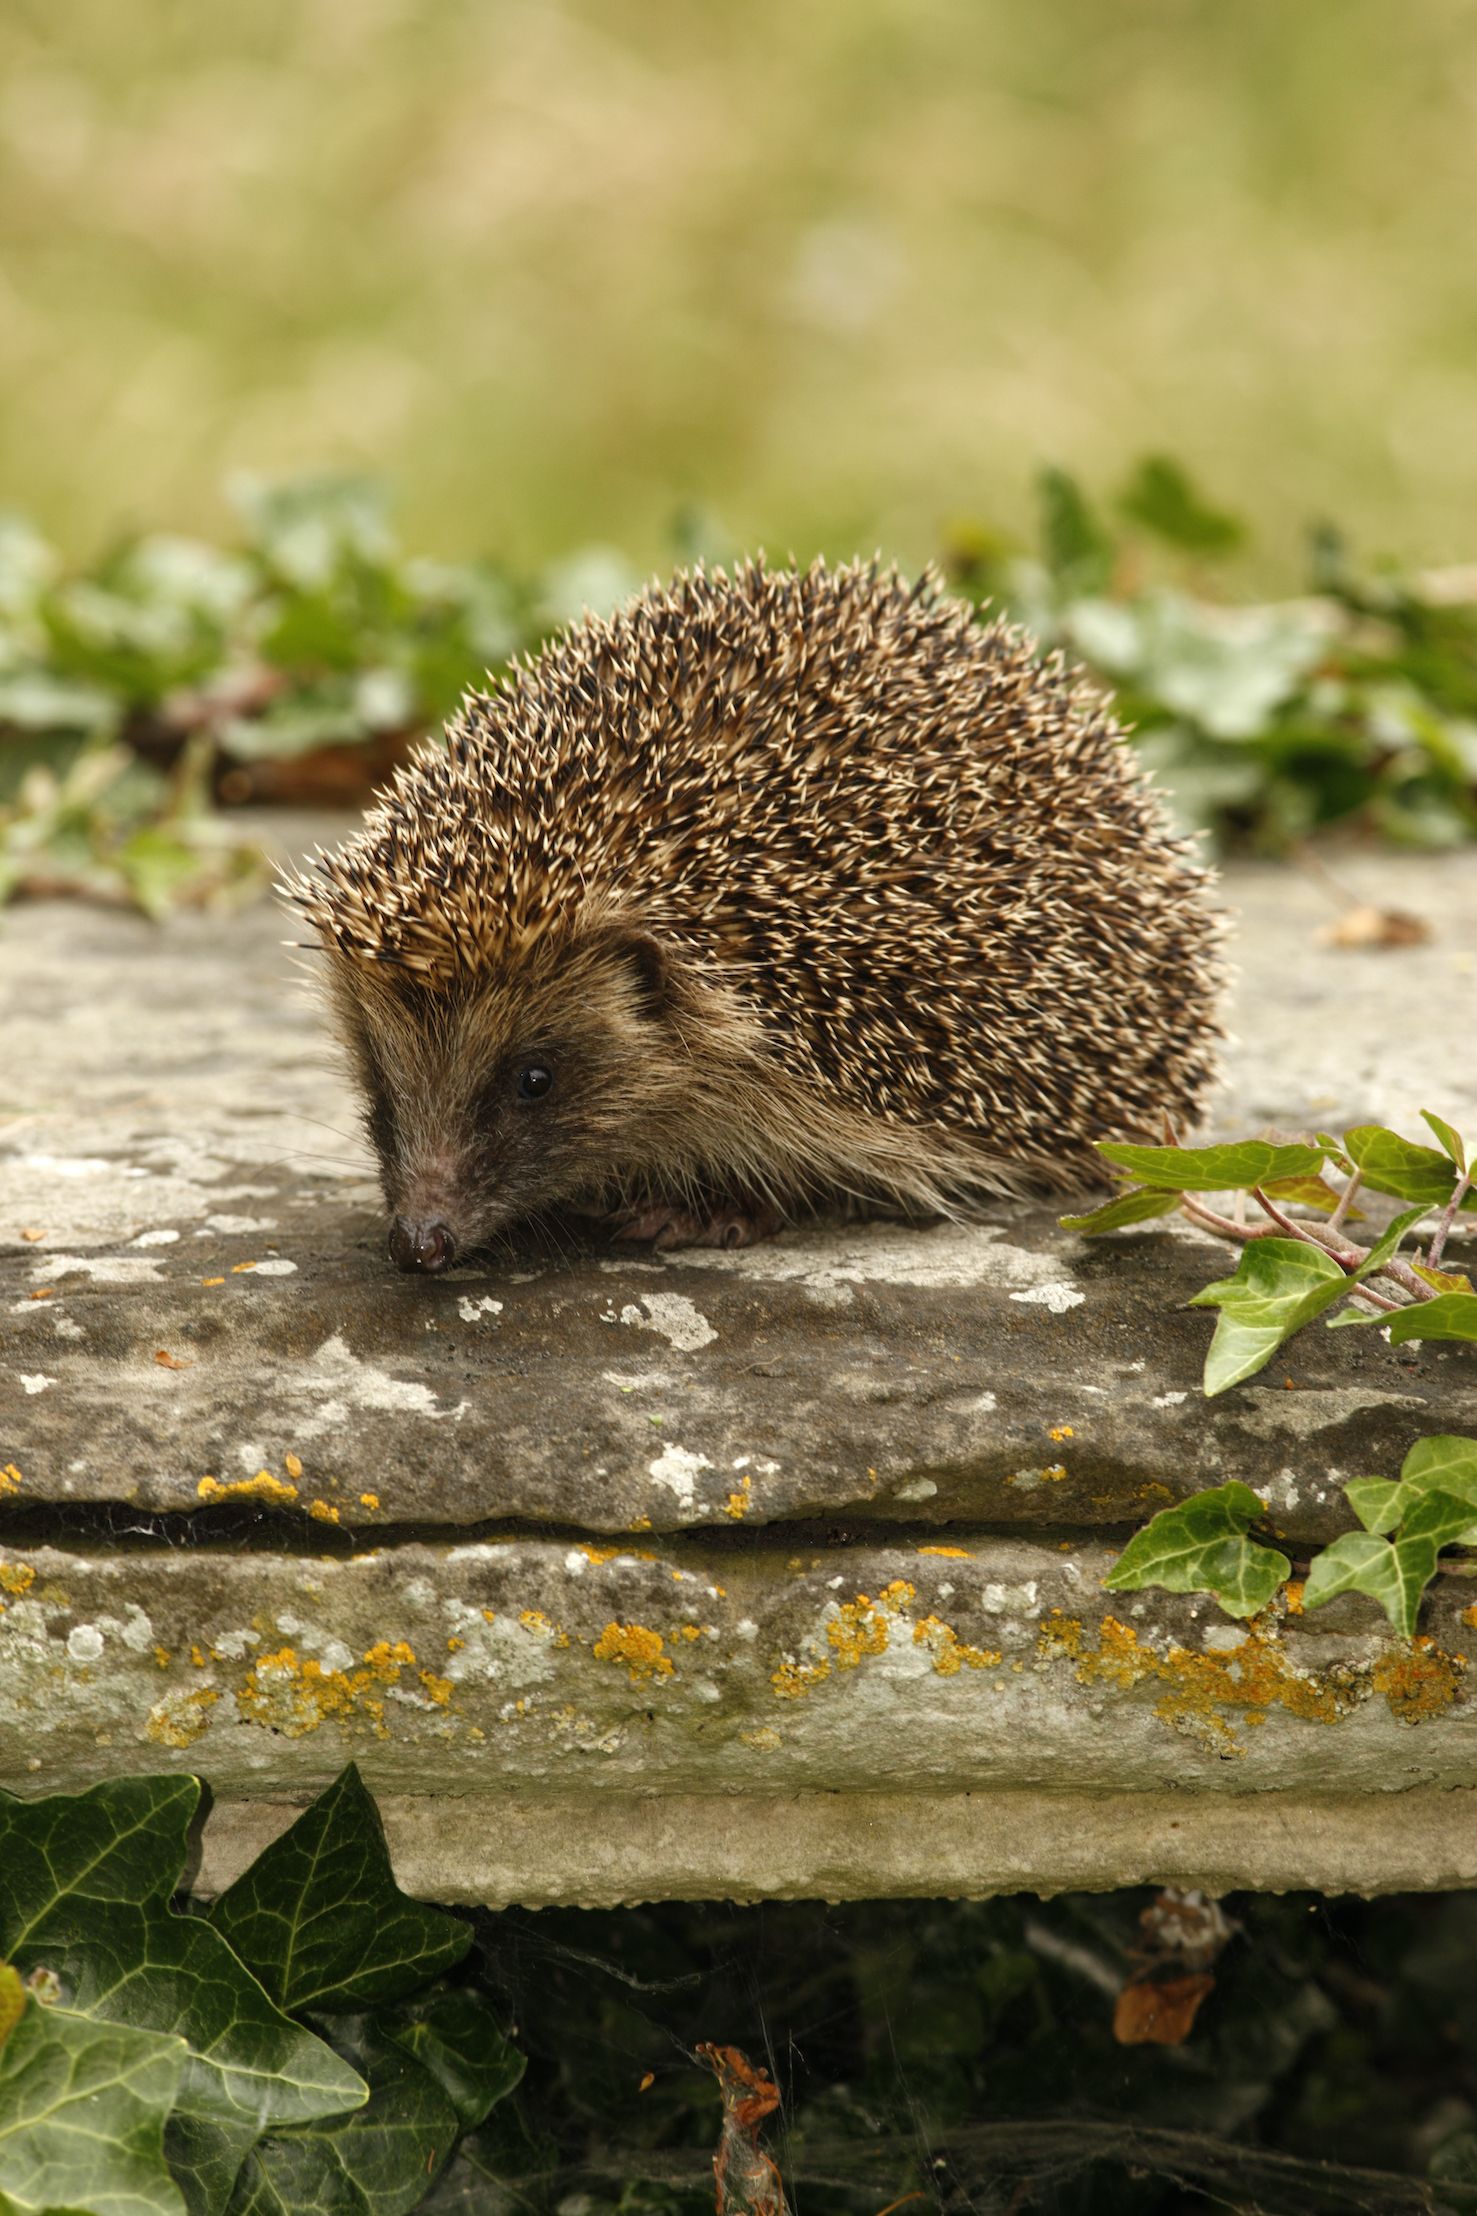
535	1082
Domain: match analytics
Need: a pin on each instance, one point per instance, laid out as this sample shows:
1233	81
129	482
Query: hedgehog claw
665	1228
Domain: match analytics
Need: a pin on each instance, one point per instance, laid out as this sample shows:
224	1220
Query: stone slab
216	1303
539	1666
535	1851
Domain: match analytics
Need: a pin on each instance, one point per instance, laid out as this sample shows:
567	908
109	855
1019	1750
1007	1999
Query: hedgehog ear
648	963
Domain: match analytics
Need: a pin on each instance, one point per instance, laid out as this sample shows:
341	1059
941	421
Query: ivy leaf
1213	1169
87	1884
1388	1240
1161	497
1448	1316
1361	1562
1077	549
1391	1164
319	1918
1443	1463
1201	1546
1311	1192
1135	1207
1375	1501
82	2113
1394	1572
1279	1285
456	2037
1450	1141
376	2163
1443	1281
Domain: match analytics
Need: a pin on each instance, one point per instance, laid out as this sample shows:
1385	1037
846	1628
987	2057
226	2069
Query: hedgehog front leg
667	1225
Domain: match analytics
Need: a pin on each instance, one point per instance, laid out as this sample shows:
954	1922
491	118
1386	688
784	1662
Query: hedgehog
777	892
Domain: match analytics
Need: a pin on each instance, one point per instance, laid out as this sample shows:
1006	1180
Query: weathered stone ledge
758	1574
629	1847
533	1665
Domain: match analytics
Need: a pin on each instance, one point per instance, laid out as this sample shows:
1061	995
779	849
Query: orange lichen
737	1503
597	1555
639	1523
1060	1431
1201	1692
692	1631
860	1625
641	1650
439	1688
792	1680
261	1487
17	1577
951	1653
323	1510
163	1657
534	1619
1419	1681
180	1718
1469	1616
237	1268
10	1479
370	1501
212	1281
292	1465
954	1554
293	1696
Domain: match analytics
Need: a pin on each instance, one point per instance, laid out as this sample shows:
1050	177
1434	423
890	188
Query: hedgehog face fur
772	890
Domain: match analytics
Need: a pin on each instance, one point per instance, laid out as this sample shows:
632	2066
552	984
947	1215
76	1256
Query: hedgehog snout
428	1244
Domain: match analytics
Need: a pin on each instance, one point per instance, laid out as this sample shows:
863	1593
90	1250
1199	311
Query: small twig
1446	1219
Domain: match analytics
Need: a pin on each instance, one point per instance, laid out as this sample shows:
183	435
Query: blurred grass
841	271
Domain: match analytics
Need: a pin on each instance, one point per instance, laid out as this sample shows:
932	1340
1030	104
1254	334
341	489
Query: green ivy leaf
1201	1546
1279	1285
1213	1169
456	2037
1390	1164
1161	497
1388	1241
83	2106
1310	1192
1135	1207
1361	1562
88	1879
1395	1572
1448	1316
1077	550
1375	1501
379	2162
320	1920
1450	1141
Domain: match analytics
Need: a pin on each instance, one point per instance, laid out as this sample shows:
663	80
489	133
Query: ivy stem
1345	1199
1446	1219
1347	1257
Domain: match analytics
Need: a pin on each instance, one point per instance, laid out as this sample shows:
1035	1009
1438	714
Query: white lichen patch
1168	1400
85	1643
103	1269
239	1227
155	1238
472	1311
917	1488
275	1265
1316	1408
961	1256
1055	1298
674	1317
36	1381
335	1380
678	1468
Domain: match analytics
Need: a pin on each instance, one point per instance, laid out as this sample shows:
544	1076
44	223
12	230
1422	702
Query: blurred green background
841	270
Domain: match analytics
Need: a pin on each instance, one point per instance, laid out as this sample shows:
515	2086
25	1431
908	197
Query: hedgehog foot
667	1225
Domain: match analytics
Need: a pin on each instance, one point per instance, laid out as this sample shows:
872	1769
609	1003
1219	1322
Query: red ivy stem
1345	1199
1446	1219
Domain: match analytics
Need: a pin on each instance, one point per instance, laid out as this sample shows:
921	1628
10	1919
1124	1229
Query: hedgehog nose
428	1246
